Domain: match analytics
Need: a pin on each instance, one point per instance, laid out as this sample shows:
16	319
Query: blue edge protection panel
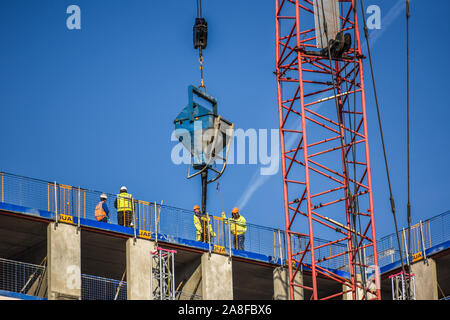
20	296
192	243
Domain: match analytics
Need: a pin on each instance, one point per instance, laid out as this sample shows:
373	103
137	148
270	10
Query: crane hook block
200	33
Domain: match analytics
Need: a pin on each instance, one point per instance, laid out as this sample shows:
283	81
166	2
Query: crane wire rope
199	8
391	197
408	207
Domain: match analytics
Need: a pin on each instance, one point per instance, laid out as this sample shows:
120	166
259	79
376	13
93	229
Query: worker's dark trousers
204	237
124	218
104	219
238	241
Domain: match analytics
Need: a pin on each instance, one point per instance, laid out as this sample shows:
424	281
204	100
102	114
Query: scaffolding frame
162	270
399	283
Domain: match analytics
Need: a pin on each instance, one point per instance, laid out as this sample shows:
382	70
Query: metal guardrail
31	279
424	235
65	202
98	288
153	219
21	277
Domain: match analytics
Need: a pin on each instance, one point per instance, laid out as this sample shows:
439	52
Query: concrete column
63	262
426	279
281	284
217	277
138	268
359	291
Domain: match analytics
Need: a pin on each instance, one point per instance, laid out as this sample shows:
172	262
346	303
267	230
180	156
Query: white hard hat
123	188
103	196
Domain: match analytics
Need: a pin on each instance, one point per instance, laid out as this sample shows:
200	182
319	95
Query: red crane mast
327	183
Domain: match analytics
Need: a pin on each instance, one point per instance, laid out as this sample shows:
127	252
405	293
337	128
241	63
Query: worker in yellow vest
238	227
125	208
203	229
101	210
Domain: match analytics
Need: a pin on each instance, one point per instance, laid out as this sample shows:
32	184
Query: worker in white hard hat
238	227
124	205
101	210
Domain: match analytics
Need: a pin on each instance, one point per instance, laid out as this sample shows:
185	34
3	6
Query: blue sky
95	107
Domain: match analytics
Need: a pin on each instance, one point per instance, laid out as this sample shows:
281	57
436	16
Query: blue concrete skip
20	296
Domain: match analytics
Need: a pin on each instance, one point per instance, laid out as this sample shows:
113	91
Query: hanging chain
200	59
200	38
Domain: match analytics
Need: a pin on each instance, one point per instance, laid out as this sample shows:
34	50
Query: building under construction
53	246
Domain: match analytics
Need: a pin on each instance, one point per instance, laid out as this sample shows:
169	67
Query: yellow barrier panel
48	197
144	215
65	193
147	213
218	229
67	200
3	187
159	216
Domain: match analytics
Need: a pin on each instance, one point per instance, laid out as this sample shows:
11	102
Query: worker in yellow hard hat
238	227
202	224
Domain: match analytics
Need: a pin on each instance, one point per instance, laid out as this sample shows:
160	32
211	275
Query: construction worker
202	224
101	210
238	227
124	205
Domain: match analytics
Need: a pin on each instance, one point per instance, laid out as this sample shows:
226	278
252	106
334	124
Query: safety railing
179	224
98	288
152	220
24	191
21	277
424	235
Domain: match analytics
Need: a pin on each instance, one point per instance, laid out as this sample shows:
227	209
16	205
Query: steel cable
391	197
408	207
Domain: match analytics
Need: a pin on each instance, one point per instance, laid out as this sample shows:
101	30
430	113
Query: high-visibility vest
124	202
200	225
99	212
238	226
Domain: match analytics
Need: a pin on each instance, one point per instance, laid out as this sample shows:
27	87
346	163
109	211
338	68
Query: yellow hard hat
235	210
196	207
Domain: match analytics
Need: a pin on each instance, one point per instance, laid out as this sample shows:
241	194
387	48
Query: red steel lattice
325	157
